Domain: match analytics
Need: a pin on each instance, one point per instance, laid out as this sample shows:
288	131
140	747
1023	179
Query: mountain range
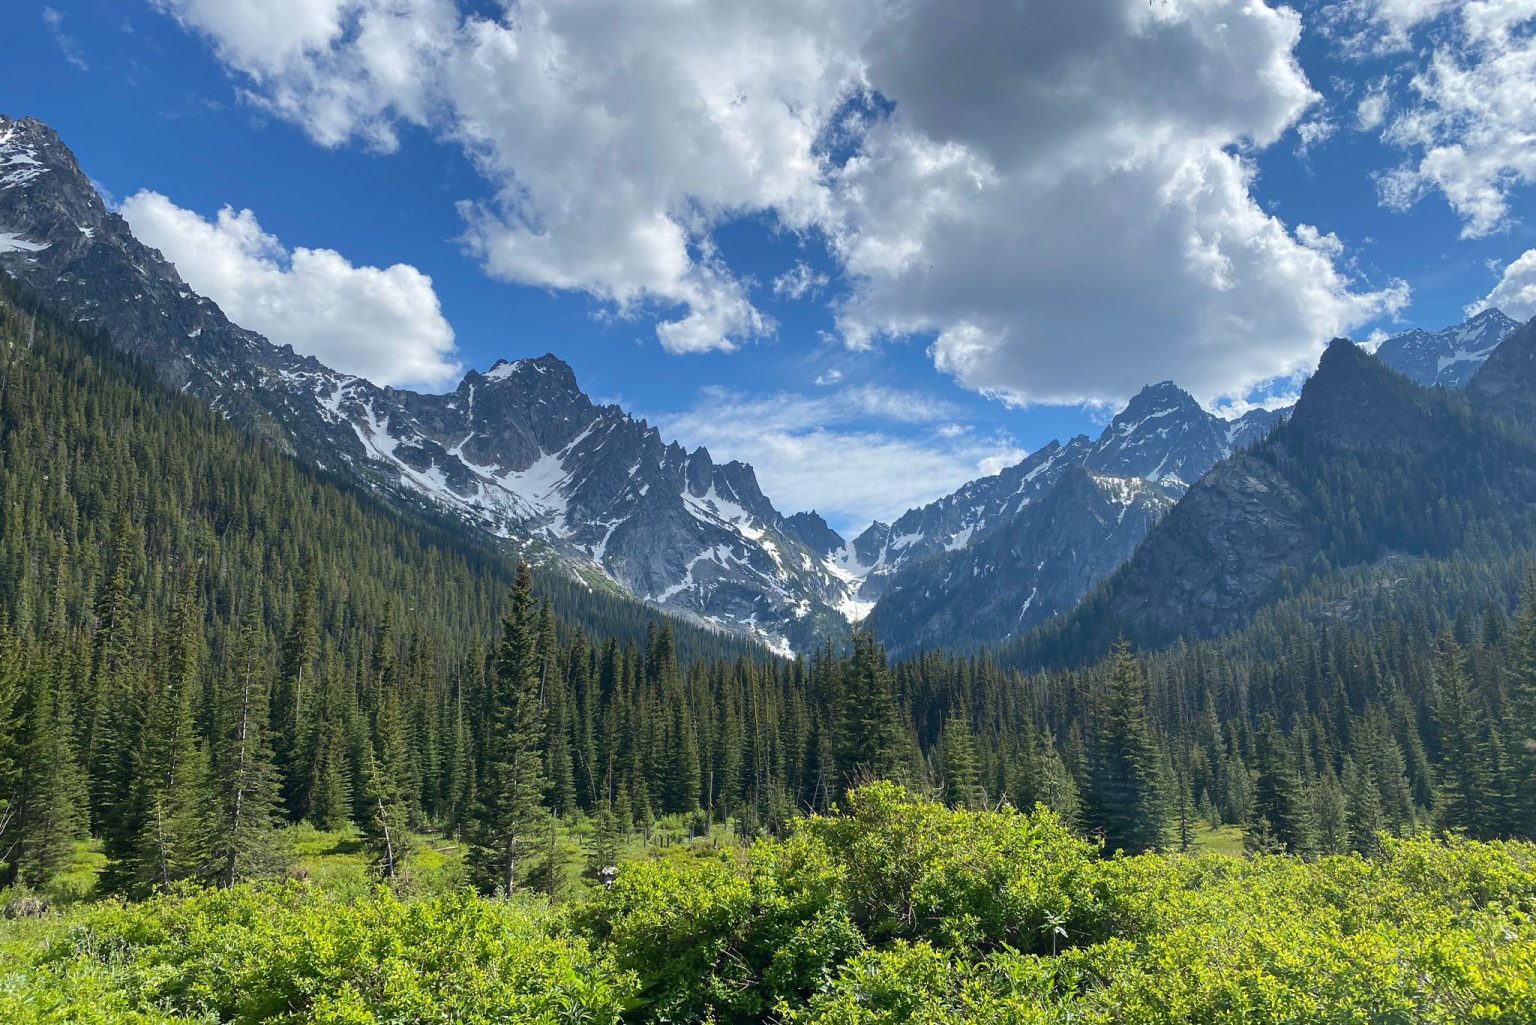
523	454
1370	471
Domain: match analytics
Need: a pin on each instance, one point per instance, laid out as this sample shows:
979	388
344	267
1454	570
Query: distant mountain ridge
1370	467
1448	357
520	451
1038	536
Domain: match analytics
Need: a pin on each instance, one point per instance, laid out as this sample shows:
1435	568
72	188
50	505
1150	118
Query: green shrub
897	910
909	868
294	954
725	935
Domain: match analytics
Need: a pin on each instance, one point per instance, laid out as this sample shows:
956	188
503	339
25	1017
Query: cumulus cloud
1058	196
1467	122
381	323
1515	294
342	69
1069	233
876	451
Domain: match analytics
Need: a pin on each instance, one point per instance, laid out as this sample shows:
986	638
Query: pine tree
1124	797
1465	773
555	695
510	813
684	776
1040	776
12	687
871	741
1330	816
1363	801
959	770
387	825
243	821
291	694
1280	813
326	798
49	811
171	777
1519	728
604	852
119	693
114	709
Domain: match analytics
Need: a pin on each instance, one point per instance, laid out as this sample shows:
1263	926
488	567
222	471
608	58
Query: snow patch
10	243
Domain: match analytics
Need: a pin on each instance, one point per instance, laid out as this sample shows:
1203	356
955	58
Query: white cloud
799	281
1068	233
1312	133
1319	241
1371	112
1015	188
342	69
384	324
1515	294
1374	340
1373	28
829	378
856	454
67	44
1468	121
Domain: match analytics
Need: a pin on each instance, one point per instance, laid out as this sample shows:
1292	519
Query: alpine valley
520	453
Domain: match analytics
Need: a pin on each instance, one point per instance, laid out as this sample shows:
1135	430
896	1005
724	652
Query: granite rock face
518	451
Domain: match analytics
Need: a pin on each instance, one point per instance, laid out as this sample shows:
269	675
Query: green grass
338	860
1219	839
77	882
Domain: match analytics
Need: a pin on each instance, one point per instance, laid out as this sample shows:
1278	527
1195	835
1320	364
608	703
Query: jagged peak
1355	400
1341	352
1490	313
1160	395
532	370
12	127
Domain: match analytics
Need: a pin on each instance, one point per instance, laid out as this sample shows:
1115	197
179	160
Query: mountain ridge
518	450
1335	487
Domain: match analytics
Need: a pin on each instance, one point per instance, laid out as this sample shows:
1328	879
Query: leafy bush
1431	932
895	911
909	868
294	954
725	936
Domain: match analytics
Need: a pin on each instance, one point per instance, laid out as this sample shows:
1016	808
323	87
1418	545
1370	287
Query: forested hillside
161	571
204	641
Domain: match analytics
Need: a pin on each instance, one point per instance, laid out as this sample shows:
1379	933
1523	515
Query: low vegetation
895	909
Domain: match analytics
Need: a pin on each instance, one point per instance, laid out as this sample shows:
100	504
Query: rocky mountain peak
46	201
1506	384
1157	398
1355	401
518	451
1448	357
814	532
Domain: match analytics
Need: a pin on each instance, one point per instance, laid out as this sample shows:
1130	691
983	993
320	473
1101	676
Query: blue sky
873	255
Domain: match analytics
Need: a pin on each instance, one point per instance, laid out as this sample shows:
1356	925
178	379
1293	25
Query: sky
876	248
